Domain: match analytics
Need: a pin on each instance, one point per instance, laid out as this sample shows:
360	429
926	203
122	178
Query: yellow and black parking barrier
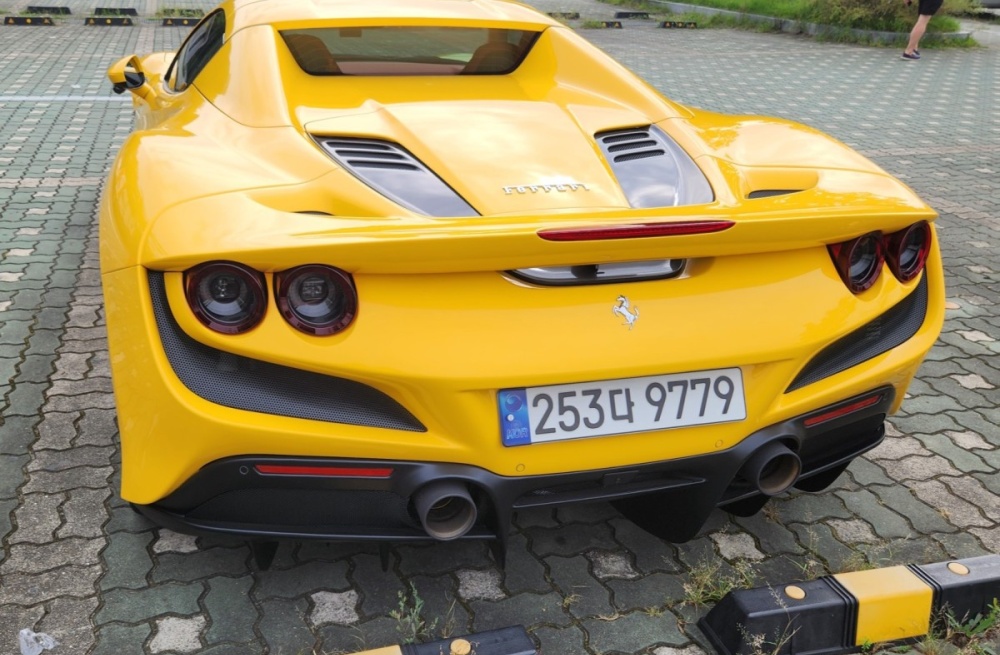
27	20
505	641
102	21
180	22
842	613
678	24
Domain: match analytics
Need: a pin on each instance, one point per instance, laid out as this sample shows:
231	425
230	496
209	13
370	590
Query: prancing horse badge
622	308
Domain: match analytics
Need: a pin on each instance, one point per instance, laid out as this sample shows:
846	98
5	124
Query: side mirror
126	75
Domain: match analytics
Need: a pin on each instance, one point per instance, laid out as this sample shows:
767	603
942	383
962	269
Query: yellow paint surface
893	603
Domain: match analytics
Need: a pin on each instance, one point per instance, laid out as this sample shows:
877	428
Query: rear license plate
607	407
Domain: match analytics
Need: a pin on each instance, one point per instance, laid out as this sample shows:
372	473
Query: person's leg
917	33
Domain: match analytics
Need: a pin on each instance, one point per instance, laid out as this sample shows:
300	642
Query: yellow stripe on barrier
893	603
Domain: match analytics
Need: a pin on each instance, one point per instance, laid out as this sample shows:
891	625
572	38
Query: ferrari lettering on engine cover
535	188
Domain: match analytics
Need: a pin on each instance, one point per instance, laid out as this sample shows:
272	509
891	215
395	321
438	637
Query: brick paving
76	563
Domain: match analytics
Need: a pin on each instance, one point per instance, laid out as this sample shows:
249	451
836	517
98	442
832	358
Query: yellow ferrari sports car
395	270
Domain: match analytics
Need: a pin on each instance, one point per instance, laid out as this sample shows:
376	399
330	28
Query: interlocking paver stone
560	640
885	522
69	621
283	626
528	609
177	634
302	579
930	491
737	546
127	560
580	593
233	613
523	571
635	632
31	558
117	638
131	606
187	567
334	607
32	588
653	591
479	585
611	564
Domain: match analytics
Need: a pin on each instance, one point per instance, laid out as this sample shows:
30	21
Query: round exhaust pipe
772	468
445	509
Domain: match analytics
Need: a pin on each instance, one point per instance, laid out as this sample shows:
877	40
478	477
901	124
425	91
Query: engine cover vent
397	175
652	170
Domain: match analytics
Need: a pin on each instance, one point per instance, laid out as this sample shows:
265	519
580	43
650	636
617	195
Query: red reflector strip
842	411
324	471
634	231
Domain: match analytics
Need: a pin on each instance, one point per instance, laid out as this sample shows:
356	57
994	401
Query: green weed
409	615
708	584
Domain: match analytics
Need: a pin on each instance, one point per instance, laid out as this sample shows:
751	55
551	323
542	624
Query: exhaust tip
772	469
445	509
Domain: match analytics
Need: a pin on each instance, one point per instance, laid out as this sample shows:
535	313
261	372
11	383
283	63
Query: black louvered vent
372	154
396	174
631	145
652	170
770	193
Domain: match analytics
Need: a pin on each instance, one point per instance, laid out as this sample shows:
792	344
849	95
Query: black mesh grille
770	193
312	508
256	386
881	335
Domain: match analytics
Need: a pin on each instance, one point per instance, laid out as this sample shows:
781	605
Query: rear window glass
408	50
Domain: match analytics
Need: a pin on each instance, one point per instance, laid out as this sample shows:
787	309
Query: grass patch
979	635
708	583
794	9
175	12
840	15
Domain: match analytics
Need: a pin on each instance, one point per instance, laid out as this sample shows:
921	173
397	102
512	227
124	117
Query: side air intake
652	170
397	175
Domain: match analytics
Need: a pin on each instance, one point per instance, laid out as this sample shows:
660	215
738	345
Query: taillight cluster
859	261
232	298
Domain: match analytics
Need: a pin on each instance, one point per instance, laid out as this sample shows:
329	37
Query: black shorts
929	7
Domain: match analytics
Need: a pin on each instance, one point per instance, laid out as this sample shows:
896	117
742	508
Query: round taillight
227	297
317	299
906	250
859	261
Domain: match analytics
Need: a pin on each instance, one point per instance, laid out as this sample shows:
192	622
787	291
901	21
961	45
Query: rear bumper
233	496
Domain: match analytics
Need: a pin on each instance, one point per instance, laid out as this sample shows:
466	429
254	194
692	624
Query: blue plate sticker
515	427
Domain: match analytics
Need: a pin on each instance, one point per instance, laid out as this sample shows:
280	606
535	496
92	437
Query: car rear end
547	287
